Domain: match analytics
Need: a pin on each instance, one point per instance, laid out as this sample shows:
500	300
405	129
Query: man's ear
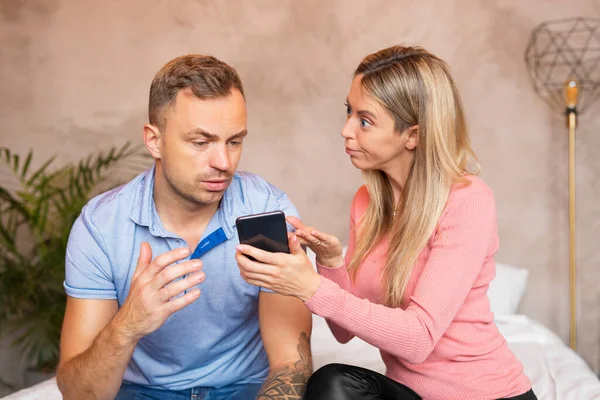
413	137
152	138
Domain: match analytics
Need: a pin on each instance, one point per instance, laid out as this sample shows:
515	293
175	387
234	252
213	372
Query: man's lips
216	185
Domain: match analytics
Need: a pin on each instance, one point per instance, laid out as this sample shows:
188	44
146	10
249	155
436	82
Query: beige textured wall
74	77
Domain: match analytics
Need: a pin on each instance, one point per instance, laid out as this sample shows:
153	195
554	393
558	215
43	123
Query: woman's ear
413	137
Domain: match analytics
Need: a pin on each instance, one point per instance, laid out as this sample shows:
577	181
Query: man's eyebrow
212	136
238	135
202	132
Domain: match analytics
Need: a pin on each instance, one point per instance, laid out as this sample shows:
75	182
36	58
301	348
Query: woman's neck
397	174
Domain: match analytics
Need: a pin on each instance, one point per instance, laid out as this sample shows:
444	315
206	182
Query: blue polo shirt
216	340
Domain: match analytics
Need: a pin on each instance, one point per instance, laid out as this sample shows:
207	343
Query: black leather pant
346	382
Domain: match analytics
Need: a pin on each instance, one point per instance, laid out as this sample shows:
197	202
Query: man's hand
153	296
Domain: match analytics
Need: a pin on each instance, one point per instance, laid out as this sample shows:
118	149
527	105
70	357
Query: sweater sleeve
458	251
340	274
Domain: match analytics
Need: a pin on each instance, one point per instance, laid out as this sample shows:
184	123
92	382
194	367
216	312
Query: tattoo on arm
288	382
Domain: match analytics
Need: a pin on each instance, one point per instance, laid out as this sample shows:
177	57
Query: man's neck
178	215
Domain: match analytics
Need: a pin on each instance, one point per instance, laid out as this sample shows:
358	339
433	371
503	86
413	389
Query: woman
423	234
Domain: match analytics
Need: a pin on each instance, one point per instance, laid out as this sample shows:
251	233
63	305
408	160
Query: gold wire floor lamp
563	59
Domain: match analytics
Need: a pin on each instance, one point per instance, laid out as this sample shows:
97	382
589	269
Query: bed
557	372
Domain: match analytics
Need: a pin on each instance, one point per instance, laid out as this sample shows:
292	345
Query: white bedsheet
557	372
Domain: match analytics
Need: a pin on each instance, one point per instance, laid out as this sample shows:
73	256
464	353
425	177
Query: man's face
201	144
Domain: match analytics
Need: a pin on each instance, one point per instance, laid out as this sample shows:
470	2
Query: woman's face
370	136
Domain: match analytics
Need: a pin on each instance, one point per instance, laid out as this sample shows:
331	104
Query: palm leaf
32	298
40	171
26	166
15	163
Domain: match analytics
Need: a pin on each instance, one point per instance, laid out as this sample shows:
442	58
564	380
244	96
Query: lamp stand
572	122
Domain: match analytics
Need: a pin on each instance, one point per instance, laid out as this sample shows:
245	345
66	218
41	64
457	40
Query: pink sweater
444	344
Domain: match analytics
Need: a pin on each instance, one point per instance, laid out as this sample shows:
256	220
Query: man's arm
93	352
97	340
285	325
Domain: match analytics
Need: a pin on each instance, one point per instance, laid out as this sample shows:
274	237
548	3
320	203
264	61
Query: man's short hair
206	76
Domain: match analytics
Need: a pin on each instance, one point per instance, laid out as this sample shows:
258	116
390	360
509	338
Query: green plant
35	221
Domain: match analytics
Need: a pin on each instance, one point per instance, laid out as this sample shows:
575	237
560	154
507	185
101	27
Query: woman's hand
287	274
327	248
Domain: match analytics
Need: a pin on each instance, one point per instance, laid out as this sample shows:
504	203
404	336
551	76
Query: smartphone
266	231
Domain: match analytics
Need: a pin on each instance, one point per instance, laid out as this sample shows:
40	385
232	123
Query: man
136	325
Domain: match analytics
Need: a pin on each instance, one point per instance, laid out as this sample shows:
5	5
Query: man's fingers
178	303
176	288
167	259
144	259
173	272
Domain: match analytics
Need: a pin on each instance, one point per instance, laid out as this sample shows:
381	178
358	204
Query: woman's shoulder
471	187
360	202
361	195
470	184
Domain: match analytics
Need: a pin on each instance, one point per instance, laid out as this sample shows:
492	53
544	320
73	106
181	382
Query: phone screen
266	231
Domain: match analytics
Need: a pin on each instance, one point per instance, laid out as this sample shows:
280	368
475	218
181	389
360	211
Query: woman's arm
465	236
340	273
340	276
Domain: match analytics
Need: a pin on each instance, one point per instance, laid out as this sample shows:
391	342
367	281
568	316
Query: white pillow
507	288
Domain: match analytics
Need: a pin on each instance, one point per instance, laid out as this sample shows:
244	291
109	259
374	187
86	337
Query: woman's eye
364	123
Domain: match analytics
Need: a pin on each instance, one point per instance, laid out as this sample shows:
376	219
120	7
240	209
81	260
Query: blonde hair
416	88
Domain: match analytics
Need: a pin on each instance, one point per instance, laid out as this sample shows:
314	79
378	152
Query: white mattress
557	372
